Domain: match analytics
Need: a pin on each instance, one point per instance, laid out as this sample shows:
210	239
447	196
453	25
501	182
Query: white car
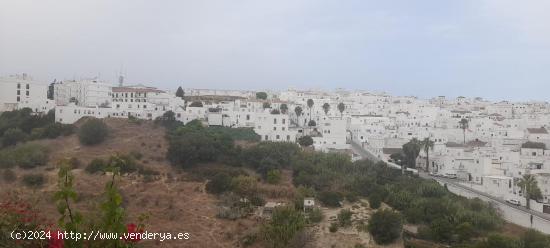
514	202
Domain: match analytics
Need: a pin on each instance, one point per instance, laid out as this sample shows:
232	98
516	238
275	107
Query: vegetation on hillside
93	132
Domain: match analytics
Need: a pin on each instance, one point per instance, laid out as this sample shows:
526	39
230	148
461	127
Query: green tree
463	124
310	106
298	110
427	145
284	225
266	105
241	185
284	108
341	108
196	104
529	187
93	132
411	150
305	141
261	95
326	108
180	93
219	184
385	226
312	123
13	136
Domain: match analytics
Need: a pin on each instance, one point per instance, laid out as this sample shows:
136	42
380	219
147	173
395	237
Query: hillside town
488	146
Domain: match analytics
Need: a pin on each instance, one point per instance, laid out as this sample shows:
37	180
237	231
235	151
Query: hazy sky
499	49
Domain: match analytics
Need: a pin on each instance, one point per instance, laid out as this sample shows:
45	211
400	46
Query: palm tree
284	108
341	108
428	145
326	108
310	105
528	185
463	125
298	111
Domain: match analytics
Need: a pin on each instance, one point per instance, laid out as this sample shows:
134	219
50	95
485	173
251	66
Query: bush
330	198
344	217
305	141
93	132
96	165
273	176
13	136
285	224
26	156
8	176
219	184
55	130
316	215
193	143
333	228
385	226
33	180
375	200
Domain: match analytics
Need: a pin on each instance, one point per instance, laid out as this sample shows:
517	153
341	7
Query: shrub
344	217
26	156
333	227
385	226
244	185
256	200
330	198
273	176
96	165
305	141
194	144
13	136
284	225
8	176
316	215
33	180
219	184
196	104
93	132
55	130
375	200
311	123
535	239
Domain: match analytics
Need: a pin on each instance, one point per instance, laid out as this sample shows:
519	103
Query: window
27	93
265	138
18	92
274	120
288	138
277	136
284	120
27	86
19	86
18	99
274	128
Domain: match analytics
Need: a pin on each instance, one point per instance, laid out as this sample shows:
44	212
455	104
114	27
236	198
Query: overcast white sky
499	49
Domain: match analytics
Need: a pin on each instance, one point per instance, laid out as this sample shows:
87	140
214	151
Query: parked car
450	175
514	202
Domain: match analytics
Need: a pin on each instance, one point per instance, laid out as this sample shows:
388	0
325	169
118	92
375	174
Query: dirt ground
173	202
348	236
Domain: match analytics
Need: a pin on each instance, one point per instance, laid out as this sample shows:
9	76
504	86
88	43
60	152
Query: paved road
455	183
